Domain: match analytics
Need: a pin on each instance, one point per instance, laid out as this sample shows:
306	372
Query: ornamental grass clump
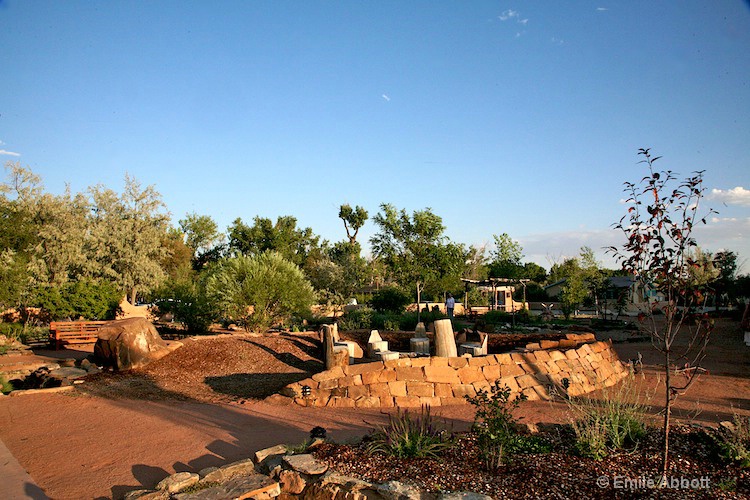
613	422
410	437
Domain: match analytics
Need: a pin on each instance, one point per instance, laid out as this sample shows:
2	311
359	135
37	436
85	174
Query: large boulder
129	343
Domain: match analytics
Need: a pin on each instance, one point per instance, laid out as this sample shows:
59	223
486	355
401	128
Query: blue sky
515	117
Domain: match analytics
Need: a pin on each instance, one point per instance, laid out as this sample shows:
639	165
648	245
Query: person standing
450	304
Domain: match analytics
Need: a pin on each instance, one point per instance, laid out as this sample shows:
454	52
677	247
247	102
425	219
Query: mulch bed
559	474
218	370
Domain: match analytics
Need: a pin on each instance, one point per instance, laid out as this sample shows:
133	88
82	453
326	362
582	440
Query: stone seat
475	348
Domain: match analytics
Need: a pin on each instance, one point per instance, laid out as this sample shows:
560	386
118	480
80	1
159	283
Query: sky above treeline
504	117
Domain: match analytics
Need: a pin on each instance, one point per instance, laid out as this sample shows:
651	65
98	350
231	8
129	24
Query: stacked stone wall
411	382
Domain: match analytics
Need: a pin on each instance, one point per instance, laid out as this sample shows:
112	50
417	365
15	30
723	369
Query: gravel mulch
696	470
218	370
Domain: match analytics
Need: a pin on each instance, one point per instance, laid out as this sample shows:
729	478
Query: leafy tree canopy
293	243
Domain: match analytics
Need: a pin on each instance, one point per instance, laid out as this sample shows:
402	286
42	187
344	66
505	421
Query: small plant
734	441
407	437
727	484
613	422
495	427
5	386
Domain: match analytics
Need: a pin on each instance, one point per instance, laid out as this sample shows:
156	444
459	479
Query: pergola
496	285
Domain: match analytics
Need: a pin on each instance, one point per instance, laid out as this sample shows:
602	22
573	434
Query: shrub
613	422
357	319
734	441
390	299
408	321
407	437
257	291
495	427
186	300
89	299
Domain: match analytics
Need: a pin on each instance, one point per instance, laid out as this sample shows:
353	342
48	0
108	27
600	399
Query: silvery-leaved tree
662	214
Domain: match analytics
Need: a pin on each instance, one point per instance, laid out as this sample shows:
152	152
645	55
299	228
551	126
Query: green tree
506	258
414	250
726	291
260	289
127	233
202	235
354	219
186	299
293	243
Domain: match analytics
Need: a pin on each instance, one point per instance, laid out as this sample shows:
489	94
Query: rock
306	464
292	482
213	493
178	482
228	471
464	495
205	472
261	455
256	486
68	362
146	495
129	343
348	482
68	373
395	490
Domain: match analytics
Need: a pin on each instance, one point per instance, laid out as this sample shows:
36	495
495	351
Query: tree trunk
445	342
132	296
667	416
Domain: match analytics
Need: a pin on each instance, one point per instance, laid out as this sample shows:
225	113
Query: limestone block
420	389
420	345
395	363
551	367
410	373
358	391
482	385
445	342
462	390
355	351
549	344
443	390
440	374
511	383
292	482
361	368
387	402
556	355
385	355
407	401
261	455
375	346
374	337
349	381
332	374
526	381
387	376
328	384
571	354
380	390
542	355
503	359
419	362
470	374
430	401
568	344
533	346
517	357
178	482
457	362
491	372
480	361
420	331
340	402
531	394
397	388
371	377
511	370
367	402
541	392
440	361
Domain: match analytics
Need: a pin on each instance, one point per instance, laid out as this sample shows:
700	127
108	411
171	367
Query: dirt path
101	445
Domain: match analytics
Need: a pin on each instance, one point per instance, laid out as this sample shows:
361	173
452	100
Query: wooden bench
74	332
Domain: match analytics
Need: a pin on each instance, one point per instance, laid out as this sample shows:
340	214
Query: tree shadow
253	385
310	365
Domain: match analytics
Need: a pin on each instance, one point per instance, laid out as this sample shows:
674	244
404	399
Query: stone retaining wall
412	382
